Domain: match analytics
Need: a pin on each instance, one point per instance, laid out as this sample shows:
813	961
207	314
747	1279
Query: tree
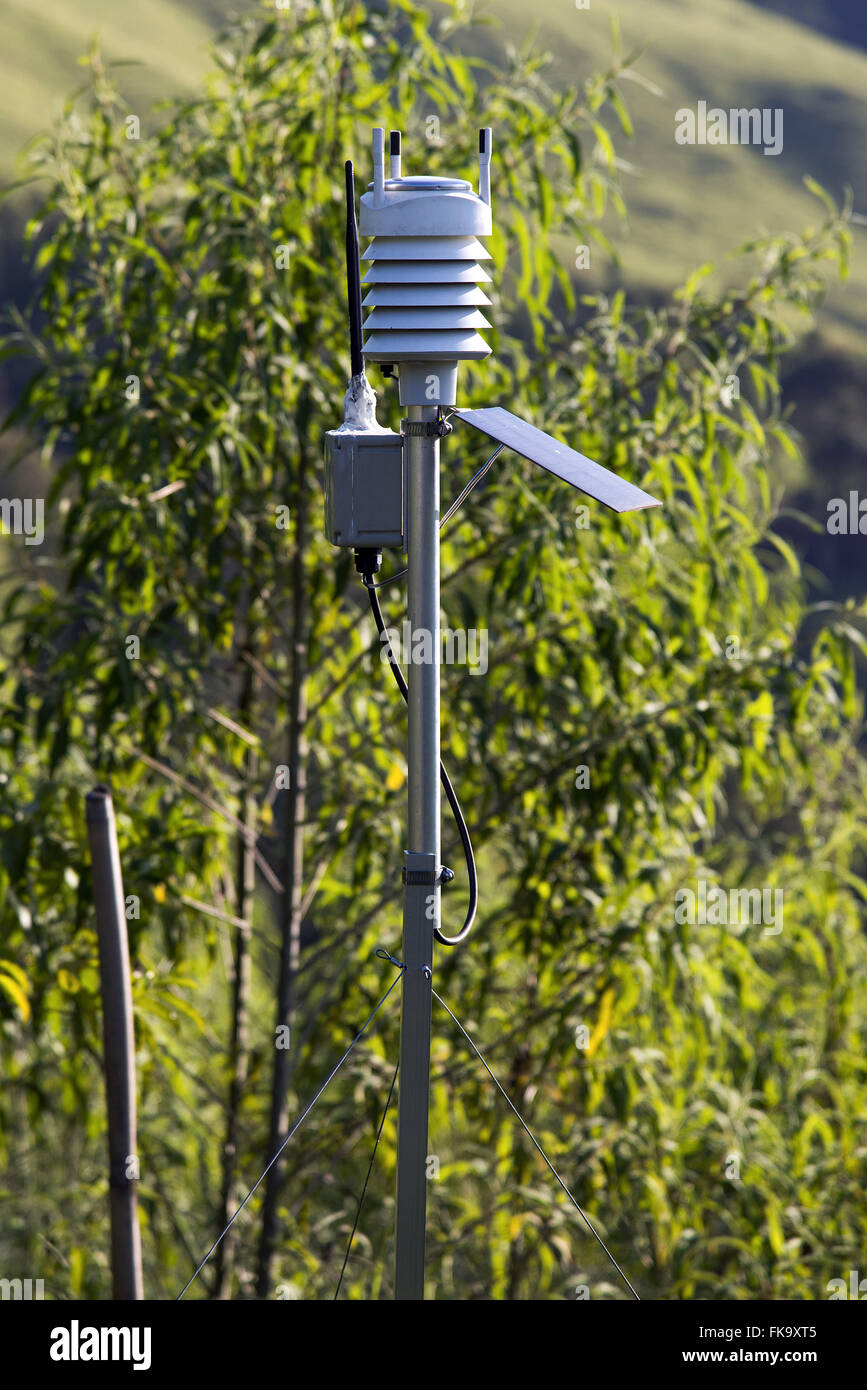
189	351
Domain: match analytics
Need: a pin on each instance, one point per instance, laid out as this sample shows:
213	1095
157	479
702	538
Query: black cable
366	1181
367	563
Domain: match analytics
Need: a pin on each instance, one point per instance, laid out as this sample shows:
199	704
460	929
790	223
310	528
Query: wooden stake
119	1044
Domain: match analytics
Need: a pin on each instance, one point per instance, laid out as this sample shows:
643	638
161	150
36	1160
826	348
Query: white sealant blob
359	407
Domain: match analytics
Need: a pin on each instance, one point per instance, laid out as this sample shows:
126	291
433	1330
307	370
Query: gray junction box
364	496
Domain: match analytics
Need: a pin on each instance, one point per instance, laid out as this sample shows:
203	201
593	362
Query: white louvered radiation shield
424	273
425	298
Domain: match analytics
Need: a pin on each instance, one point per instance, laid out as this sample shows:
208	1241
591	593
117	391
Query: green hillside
690	204
687	204
42	41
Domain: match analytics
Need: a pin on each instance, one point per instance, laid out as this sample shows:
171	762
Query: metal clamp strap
428	428
427	877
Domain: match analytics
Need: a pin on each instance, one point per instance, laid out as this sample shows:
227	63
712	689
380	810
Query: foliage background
610	648
686	204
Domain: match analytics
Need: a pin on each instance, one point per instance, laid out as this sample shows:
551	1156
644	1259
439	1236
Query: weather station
424	283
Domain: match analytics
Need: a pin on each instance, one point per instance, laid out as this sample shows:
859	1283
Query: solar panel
539	447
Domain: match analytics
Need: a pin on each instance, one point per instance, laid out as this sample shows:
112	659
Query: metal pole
117	1031
422	901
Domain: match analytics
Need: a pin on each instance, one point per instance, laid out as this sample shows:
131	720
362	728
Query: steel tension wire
476	478
369	1171
296	1126
589	1224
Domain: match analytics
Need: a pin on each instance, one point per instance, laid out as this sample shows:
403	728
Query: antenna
424	301
353	276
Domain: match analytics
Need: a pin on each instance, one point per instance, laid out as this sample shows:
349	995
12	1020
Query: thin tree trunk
521	1168
294	800
245	888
